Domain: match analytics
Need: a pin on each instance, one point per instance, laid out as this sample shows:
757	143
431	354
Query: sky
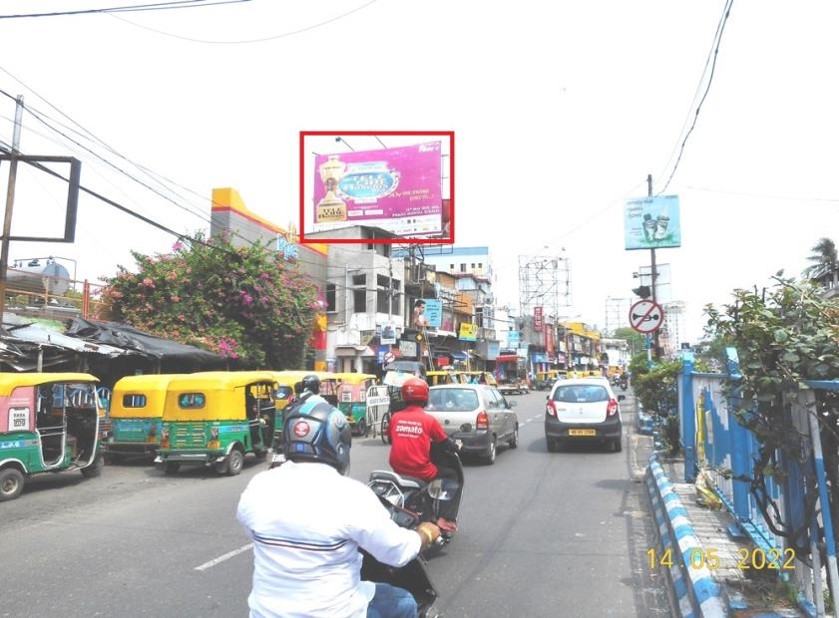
560	111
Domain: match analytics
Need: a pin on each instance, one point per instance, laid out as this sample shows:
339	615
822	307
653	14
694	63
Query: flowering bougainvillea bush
246	303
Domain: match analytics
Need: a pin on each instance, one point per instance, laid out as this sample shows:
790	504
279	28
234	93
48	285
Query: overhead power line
712	60
159	6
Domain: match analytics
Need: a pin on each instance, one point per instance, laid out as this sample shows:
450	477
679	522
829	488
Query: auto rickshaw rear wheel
171	467
94	469
235	462
11	483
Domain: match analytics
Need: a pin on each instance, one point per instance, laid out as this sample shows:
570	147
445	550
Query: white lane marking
226	556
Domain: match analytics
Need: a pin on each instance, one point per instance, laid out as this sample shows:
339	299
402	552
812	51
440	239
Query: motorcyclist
306	396
308	520
412	432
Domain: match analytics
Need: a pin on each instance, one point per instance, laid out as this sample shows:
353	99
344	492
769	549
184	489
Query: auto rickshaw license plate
582	432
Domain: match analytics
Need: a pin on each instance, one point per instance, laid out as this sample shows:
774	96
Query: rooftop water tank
38	277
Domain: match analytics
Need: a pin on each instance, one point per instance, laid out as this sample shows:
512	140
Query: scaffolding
617	313
544	281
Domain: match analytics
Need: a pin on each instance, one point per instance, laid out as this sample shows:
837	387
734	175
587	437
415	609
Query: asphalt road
541	534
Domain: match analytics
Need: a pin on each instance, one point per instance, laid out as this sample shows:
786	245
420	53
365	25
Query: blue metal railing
713	440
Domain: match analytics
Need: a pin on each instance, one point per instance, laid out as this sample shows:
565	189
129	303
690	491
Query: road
541	534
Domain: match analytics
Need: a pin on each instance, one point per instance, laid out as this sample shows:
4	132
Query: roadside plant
246	303
783	336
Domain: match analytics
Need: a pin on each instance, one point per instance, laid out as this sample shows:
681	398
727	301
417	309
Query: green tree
825	261
247	304
637	341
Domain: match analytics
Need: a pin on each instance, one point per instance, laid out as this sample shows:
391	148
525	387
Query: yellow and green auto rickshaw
353	389
286	381
49	422
136	415
436	378
477	377
215	418
546	379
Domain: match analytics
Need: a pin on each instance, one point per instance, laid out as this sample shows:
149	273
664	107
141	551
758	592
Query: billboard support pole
653	273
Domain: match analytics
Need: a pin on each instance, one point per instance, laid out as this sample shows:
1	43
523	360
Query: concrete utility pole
653	273
10	202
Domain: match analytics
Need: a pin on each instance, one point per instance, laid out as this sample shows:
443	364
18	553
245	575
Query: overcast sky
560	110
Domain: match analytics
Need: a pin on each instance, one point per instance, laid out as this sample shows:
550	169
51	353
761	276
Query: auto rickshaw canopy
215	395
141	396
10	381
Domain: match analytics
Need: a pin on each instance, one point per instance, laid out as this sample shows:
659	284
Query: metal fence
717	446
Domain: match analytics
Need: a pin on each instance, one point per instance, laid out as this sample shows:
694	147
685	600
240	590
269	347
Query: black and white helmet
318	433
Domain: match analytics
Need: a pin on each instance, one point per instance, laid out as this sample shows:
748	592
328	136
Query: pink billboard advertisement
398	189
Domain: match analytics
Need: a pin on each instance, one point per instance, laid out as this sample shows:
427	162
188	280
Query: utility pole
10	202
653	273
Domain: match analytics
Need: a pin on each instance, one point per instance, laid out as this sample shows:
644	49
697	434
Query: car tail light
612	407
551	409
164	437
482	422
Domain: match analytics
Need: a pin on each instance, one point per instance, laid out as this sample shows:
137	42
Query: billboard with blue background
433	312
652	222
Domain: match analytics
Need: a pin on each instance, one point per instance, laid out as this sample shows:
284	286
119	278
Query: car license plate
582	432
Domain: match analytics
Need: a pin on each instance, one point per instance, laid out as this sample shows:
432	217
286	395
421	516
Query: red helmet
415	390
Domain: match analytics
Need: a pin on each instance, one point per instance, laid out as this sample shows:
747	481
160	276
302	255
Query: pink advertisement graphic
398	189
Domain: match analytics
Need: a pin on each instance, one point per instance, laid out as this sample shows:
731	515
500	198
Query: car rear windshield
454	399
577	393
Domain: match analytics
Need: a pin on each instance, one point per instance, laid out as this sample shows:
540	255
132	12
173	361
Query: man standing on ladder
420	322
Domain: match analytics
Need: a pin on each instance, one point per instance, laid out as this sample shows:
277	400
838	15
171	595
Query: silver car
476	414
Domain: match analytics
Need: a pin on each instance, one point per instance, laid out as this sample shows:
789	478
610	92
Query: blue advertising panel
433	312
652	223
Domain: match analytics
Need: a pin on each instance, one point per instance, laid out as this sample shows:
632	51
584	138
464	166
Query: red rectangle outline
406	240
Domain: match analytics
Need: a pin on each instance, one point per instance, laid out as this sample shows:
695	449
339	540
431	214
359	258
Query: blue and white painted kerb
696	592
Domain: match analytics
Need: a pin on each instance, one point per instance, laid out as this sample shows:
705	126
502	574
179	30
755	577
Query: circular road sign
646	316
389	357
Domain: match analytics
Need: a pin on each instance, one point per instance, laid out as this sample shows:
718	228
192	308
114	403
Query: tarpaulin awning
130	338
459	355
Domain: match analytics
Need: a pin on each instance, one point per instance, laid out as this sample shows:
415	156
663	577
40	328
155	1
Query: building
674	330
364	299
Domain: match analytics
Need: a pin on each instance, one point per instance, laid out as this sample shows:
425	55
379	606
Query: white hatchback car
583	409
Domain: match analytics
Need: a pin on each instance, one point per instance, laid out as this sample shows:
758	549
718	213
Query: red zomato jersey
411	433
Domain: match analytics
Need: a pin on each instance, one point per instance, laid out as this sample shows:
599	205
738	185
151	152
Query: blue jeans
392	602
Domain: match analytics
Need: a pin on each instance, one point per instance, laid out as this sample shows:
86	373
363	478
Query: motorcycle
413	576
417	496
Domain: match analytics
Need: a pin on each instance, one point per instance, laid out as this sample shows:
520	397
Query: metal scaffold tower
617	313
544	281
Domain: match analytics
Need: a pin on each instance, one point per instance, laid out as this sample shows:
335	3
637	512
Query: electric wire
720	30
93	138
247	41
176	4
202	216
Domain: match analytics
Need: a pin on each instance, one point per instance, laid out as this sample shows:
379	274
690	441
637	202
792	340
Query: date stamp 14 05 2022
756	559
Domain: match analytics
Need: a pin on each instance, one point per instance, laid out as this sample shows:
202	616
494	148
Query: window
359	298
359	279
463	268
454	399
451	266
480	265
133	401
382	301
191	401
330	298
473	265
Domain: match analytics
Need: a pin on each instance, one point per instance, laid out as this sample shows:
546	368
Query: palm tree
825	261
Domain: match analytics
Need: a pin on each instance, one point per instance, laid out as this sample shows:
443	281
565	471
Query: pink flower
175	298
177	246
148	282
171	276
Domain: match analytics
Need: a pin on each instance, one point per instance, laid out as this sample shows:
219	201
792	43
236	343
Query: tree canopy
247	304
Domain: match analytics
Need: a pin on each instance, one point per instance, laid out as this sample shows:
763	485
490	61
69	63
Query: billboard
397	189
468	332
433	312
537	319
652	223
